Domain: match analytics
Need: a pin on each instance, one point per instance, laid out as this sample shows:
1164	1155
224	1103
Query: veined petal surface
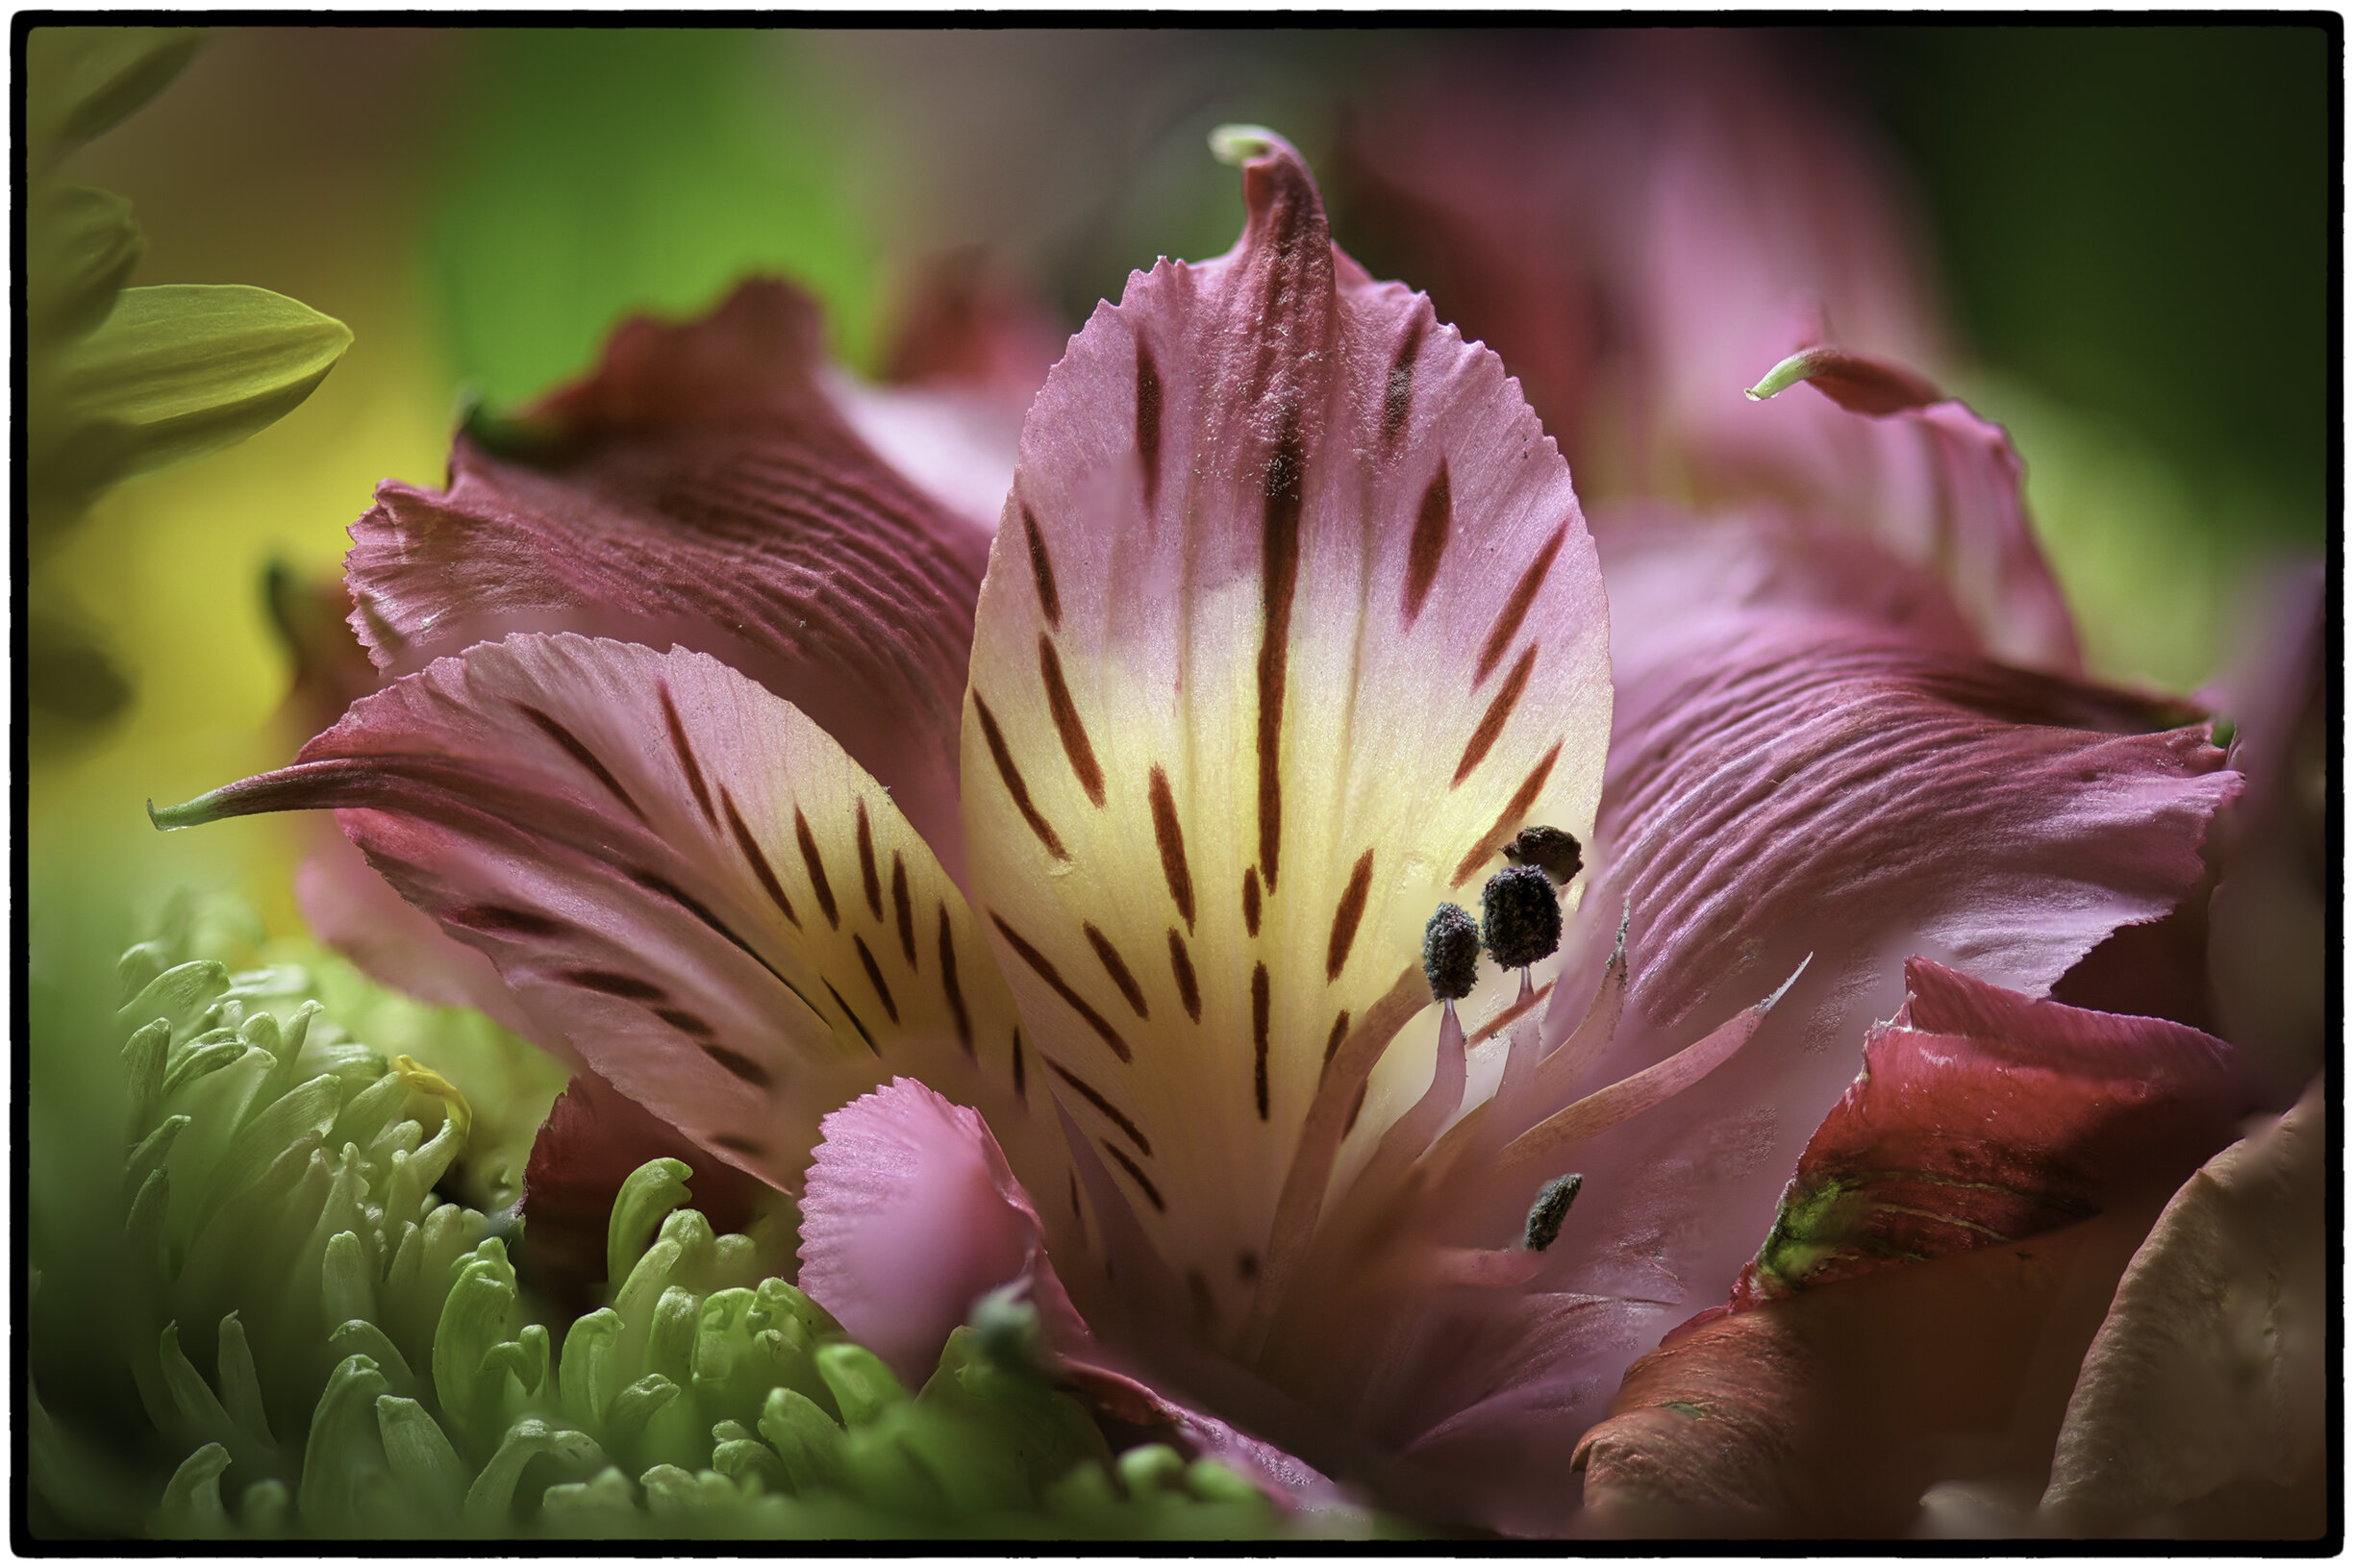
1292	620
673	869
701	489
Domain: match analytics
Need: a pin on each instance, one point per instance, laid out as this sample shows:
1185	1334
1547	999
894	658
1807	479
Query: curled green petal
489	1502
343	1446
359	1337
191	1508
143	1067
806	1440
646	1198
180	994
862	1386
421	1456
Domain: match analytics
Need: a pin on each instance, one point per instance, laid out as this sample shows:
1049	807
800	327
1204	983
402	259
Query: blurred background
2125	232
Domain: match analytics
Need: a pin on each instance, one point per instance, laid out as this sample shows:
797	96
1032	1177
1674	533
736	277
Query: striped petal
675	871
702	487
1291	621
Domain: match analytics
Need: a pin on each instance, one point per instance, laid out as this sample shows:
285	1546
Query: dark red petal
594	1138
1983	1117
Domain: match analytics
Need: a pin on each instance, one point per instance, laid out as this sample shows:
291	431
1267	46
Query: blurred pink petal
1641	226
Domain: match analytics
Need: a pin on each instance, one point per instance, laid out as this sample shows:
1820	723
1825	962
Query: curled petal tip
1782	990
193	813
1783	377
1238	144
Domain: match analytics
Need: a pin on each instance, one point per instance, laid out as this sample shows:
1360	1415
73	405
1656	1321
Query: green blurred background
2133	225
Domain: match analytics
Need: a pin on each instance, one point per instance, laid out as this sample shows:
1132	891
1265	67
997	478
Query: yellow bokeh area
293	162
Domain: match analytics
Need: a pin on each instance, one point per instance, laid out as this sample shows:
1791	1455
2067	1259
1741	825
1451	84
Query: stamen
1550	850
1450	952
1520	916
1551	1208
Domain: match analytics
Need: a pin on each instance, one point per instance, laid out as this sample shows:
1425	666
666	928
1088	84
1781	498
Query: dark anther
1450	952
1549	1210
1550	850
1519	916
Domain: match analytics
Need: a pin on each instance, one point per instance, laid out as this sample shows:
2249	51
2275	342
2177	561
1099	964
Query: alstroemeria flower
1291	623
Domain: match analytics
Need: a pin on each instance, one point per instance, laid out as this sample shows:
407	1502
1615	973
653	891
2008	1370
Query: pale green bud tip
1786	375
1238	144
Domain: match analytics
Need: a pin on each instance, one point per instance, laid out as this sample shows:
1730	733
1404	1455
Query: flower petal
1293	620
2200	1410
1800	768
1983	1116
702	488
1942	1256
674	870
911	1216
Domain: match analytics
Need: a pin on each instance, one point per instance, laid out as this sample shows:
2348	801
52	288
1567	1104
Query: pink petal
702	488
910	1217
1808	760
1291	621
675	872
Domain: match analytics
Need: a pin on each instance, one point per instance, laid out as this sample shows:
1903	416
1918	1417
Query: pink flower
759	778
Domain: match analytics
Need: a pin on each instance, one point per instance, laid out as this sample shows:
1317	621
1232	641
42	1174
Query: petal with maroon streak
674	870
1291	621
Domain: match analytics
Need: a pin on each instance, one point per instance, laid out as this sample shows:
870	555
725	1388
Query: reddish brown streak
948	983
686	753
1430	541
1351	910
816	869
756	859
1171	834
1042	570
903	910
1491	723
866	864
1117	968
1181	964
1284	491
1110	1111
1053	977
1515	811
1075	743
1003	756
1259	1035
1516	607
